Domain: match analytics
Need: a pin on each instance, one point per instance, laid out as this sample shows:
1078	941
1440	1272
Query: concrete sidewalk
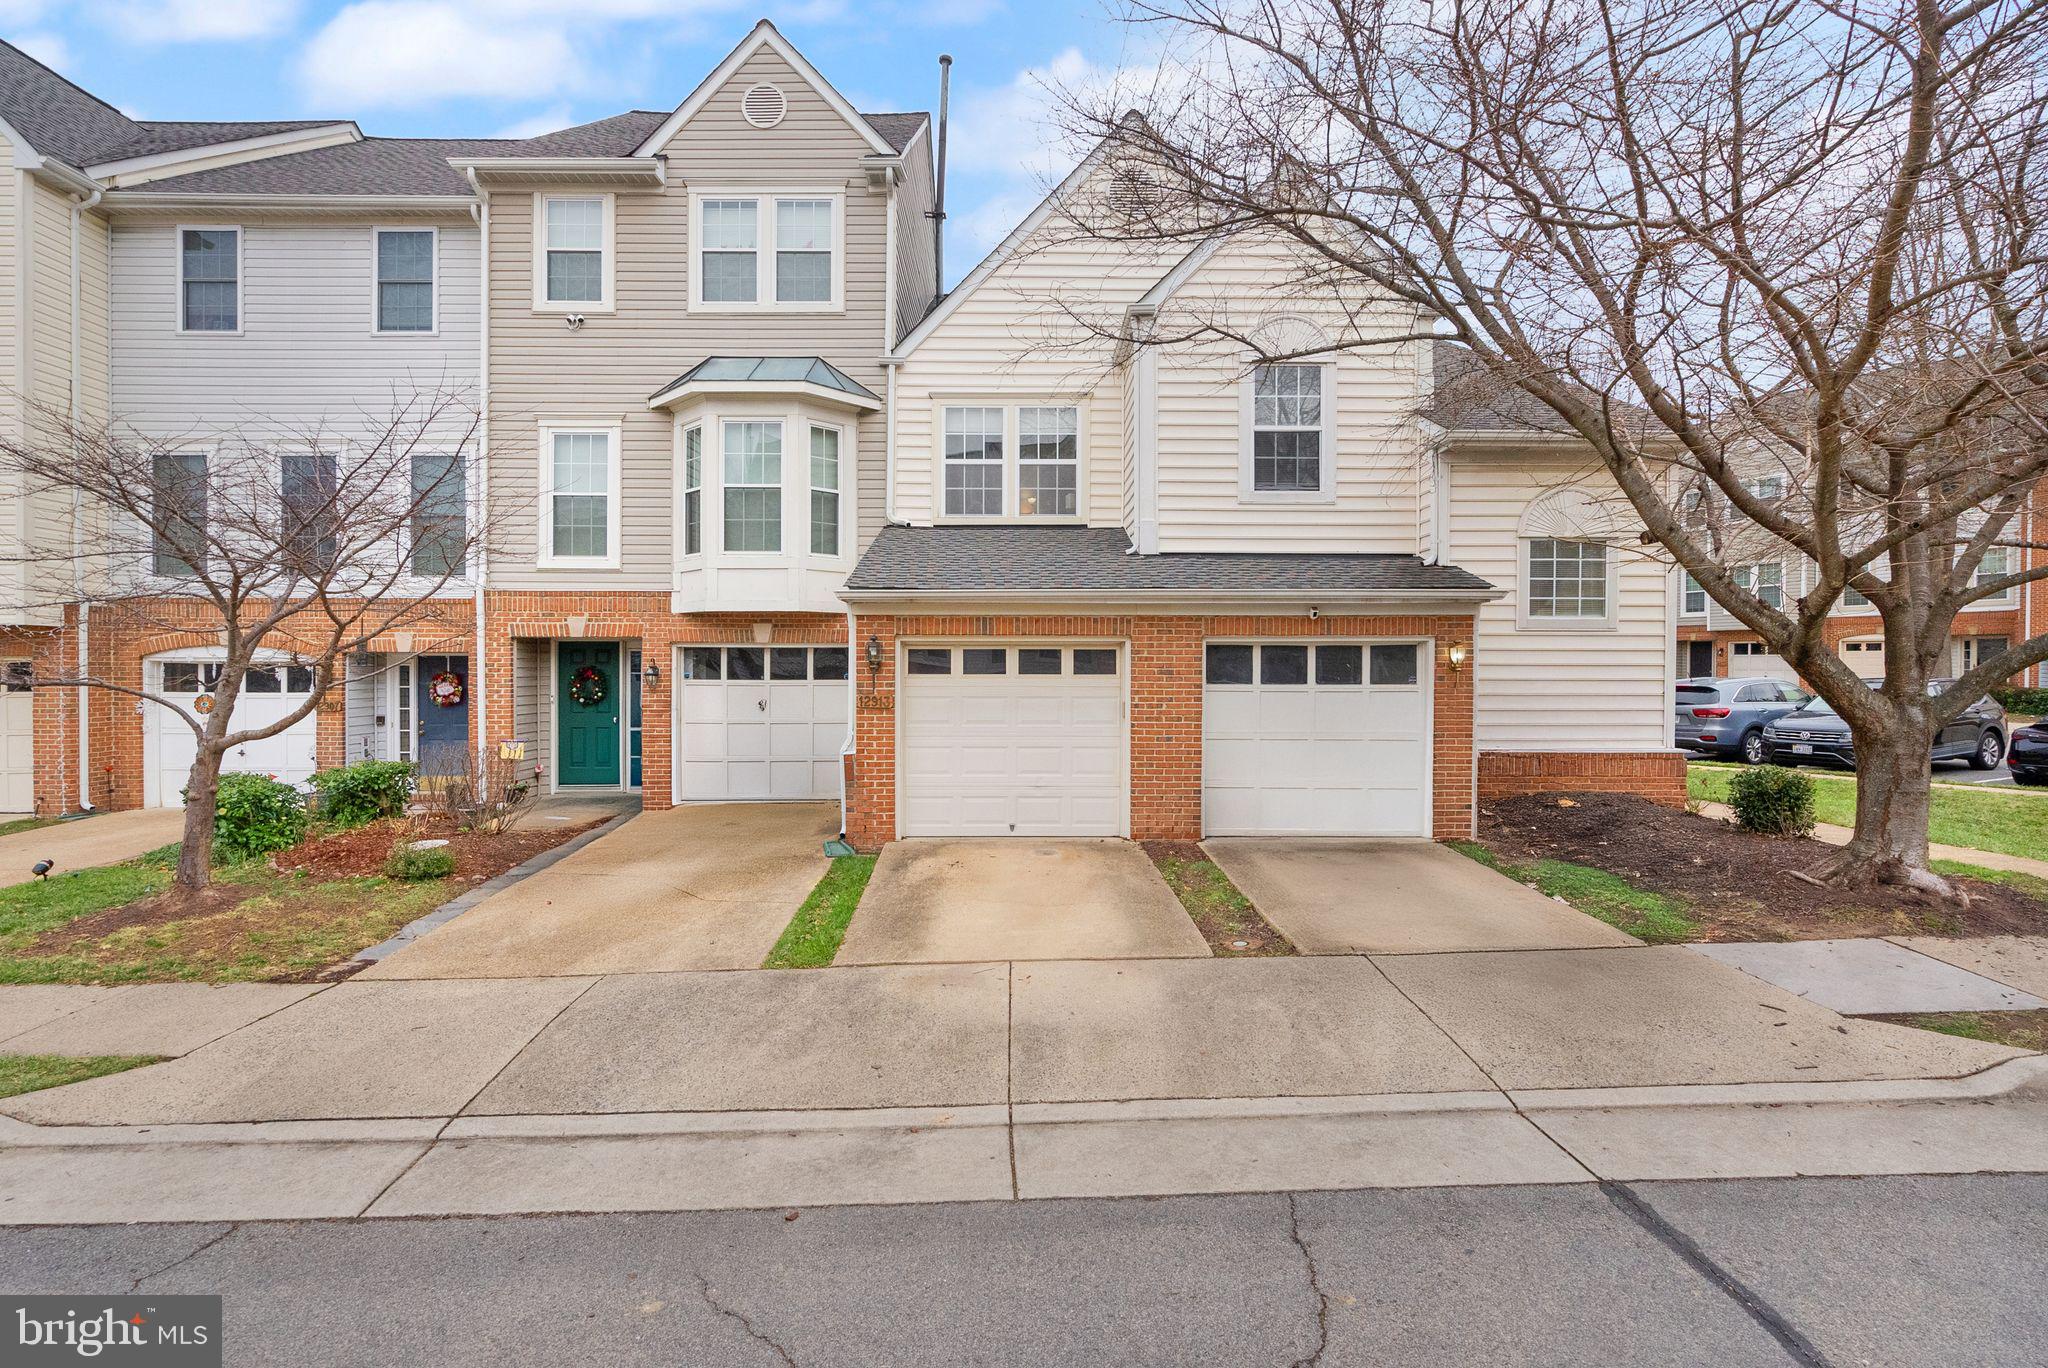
85	842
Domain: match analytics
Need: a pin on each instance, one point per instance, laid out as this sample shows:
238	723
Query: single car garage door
1753	659
1328	739
760	723
17	738
1012	740
268	694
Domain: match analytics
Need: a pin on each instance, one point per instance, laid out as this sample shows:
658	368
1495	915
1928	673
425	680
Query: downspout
481	212
79	207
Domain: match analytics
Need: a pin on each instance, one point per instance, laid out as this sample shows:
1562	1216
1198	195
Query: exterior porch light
650	675
874	655
1457	656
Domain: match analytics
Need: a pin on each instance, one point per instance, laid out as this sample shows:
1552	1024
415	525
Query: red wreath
446	689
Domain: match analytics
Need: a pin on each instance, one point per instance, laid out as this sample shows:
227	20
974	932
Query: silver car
1728	716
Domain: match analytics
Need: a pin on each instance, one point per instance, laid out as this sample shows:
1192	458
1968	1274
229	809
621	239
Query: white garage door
17	738
267	695
760	722
1747	659
1315	740
1865	657
1011	741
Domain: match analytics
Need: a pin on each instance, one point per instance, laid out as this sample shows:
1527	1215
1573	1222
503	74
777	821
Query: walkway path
84	842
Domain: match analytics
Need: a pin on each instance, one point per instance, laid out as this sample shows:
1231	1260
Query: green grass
30	1073
2022	1030
2031	884
1645	915
26	824
2005	822
288	926
812	937
1219	909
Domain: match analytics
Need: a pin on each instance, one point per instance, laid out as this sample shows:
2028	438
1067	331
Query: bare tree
1712	237
292	550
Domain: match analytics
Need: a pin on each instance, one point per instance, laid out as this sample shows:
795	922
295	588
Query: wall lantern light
651	675
1457	655
874	654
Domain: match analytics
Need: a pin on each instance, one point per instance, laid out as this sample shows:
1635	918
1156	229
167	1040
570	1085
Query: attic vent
763	106
1133	192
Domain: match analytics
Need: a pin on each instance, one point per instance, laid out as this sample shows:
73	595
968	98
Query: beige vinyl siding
916	270
1543	690
1377	447
605	371
532	695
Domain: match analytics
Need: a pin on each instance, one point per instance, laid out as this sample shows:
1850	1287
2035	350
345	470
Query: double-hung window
579	513
1019	461
693	490
1288	452
439	513
1766	580
753	486
1567	579
824	491
209	280
574	267
178	533
1695	601
309	507
1996	565
766	251
405	280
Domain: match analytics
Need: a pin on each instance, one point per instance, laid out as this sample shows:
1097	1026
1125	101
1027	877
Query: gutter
144	199
1426	599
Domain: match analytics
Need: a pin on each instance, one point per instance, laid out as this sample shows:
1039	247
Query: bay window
1002	461
760	250
824	491
178	526
439	513
753	486
693	490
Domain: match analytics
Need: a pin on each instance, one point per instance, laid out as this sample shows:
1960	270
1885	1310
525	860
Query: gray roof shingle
1068	559
65	121
897	129
1467	397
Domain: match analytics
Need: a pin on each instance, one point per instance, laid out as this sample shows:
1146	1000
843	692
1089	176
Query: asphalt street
1890	1271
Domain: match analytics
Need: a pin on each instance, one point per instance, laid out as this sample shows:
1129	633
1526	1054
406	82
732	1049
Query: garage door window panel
828	662
789	662
1283	665
1040	660
929	660
745	662
1093	660
1339	664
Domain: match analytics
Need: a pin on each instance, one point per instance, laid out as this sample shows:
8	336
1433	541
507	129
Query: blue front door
441	686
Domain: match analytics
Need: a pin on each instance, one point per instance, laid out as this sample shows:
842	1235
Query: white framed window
404	266
767	250
1567	583
1694	602
309	497
579	505
440	513
1018	461
1977	650
1769	488
693	490
824	491
973	461
573	261
178	537
403	701
1997	564
751	507
1851	598
1765	579
210	279
1288	452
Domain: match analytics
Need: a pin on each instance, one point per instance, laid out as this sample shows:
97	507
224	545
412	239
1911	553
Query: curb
497	883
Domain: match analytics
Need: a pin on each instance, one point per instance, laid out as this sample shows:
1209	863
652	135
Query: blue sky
491	67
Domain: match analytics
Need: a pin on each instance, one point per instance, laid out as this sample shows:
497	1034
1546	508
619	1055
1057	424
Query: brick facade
1165	663
2005	623
1656	775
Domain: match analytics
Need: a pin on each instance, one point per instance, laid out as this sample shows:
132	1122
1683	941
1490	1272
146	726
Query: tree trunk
202	793
1893	795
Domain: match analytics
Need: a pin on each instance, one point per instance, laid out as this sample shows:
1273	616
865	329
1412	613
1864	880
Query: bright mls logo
167	1332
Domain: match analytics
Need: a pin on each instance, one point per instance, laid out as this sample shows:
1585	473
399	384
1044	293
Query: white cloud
555	116
184	21
416	52
48	48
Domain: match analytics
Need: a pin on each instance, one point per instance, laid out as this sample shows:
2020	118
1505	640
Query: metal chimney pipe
938	214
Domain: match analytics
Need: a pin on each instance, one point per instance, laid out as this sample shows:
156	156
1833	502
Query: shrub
2026	702
364	791
255	814
414	865
1772	800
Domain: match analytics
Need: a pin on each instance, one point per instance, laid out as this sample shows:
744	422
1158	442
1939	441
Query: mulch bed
363	850
151	911
1737	884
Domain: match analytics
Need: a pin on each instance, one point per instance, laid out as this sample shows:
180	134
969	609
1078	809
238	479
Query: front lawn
299	916
812	938
2022	1030
33	1073
2002	821
26	824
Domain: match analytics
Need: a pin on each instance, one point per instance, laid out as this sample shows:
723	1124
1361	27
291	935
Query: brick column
1166	728
871	785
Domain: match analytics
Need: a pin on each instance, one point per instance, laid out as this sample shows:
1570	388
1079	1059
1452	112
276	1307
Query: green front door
588	699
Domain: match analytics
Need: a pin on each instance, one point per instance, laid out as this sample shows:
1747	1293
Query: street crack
187	1257
1315	1286
740	1319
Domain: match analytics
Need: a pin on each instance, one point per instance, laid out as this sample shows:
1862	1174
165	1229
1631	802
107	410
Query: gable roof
63	120
765	35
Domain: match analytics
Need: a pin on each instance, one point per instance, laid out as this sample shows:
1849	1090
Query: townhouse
770	518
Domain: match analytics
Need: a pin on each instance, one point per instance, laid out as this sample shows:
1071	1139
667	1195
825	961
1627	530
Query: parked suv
2029	755
1728	716
1817	732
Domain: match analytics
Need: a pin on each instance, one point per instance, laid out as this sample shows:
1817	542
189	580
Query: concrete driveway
698	887
84	842
1398	897
946	902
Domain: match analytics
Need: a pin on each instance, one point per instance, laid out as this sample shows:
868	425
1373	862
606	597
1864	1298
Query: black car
2029	755
1817	732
